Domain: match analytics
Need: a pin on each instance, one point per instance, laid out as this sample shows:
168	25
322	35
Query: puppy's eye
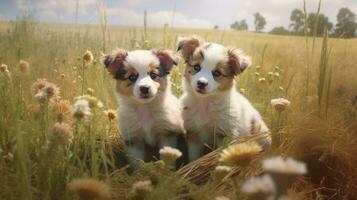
153	75
216	73
197	68
133	77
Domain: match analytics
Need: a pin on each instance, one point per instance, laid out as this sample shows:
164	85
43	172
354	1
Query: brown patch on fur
166	58
152	68
115	61
188	46
125	87
162	81
233	61
226	79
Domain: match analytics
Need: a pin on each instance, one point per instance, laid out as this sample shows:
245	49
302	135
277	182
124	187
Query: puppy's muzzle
144	90
201	84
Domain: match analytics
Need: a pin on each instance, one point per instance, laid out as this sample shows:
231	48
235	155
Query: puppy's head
211	67
140	74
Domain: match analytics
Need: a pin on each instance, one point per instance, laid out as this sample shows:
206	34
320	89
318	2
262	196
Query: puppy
149	114
212	108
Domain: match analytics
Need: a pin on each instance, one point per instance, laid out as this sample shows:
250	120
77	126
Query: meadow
49	151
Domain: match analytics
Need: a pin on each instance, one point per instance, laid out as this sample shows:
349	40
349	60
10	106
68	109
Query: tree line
316	24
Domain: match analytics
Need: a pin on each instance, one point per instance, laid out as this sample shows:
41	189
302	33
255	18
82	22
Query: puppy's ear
115	61
167	60
188	45
238	61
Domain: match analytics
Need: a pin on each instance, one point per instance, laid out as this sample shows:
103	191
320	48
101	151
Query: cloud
196	14
159	18
52	9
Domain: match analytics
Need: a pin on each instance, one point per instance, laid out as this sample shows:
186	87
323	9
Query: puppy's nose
202	84
144	89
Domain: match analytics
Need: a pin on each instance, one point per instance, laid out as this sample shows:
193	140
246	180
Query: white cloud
159	18
197	14
50	9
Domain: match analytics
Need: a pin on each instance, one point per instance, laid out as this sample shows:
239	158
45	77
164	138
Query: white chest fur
148	121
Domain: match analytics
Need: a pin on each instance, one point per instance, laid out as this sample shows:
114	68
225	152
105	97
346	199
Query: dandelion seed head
41	96
259	187
284	166
51	90
88	57
81	109
280	104
39	84
92	100
60	108
240	154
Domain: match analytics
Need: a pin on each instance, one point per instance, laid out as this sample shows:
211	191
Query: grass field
39	158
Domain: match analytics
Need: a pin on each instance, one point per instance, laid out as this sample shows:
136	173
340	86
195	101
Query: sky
179	13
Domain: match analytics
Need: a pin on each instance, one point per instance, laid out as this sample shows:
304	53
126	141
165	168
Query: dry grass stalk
196	171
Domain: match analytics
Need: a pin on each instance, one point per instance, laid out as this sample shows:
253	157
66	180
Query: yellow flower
240	154
90	188
88	57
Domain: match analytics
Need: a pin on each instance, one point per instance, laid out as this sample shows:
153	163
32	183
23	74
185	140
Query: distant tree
280	30
323	22
259	22
346	23
240	25
297	21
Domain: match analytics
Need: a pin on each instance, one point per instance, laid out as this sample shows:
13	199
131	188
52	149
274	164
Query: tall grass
33	167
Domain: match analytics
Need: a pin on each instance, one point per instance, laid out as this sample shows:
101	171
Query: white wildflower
259	188
284	171
81	109
280	104
169	155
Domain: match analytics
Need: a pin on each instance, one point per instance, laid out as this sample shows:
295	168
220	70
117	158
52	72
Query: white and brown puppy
149	114
212	108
